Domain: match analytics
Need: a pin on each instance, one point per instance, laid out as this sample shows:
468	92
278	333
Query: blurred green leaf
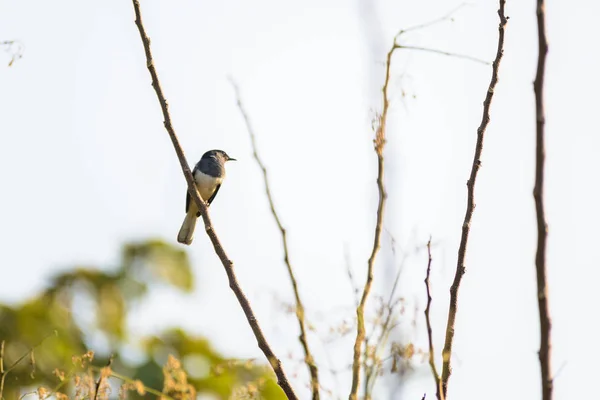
163	261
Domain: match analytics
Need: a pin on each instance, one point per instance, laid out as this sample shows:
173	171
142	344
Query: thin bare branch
434	371
360	310
355	290
159	395
444	53
538	194
3	375
466	227
227	263
444	18
102	376
308	358
447	17
389	322
368	370
5	372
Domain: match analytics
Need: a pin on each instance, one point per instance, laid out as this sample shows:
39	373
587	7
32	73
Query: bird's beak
231	159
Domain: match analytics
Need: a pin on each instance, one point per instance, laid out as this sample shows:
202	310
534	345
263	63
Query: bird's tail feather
186	233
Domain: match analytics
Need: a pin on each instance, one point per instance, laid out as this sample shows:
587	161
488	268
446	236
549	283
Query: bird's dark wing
214	194
187	201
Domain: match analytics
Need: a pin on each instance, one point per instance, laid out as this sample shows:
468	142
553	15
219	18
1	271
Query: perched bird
208	175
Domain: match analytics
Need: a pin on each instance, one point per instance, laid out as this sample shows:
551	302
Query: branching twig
4	372
446	17
308	359
460	266
360	310
434	371
227	263
102	375
538	194
379	144
389	322
15	47
160	395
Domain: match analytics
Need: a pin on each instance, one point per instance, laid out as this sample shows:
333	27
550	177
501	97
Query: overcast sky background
85	165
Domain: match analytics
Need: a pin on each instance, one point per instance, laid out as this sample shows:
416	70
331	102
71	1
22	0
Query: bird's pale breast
206	184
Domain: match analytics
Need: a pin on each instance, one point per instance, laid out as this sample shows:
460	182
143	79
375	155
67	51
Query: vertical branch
460	266
275	363
308	358
389	323
538	194
5	371
360	310
379	145
2	373
434	371
104	373
368	369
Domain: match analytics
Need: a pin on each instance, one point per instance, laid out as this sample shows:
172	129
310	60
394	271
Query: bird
209	174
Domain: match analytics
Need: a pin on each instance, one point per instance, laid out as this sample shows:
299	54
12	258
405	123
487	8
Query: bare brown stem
227	263
434	371
360	310
388	325
101	377
2	373
466	227
308	358
538	194
159	395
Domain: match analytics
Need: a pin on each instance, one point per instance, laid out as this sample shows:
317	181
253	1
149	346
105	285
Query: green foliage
53	324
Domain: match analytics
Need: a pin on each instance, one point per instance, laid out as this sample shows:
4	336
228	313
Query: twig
330	366
360	310
16	48
447	17
460	265
4	372
368	369
351	279
538	194
157	393
101	377
444	53
387	327
28	394
434	371
275	363
308	359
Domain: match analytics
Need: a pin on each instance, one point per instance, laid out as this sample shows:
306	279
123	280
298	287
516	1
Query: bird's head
218	155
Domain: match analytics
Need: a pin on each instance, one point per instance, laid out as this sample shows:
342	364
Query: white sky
85	165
